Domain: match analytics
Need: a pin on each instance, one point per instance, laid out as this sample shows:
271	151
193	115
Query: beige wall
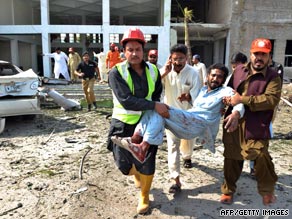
219	11
24	55
5	50
264	18
22	12
6	12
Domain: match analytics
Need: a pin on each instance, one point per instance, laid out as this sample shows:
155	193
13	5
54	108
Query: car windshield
7	69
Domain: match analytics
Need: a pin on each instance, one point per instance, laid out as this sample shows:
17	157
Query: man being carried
200	121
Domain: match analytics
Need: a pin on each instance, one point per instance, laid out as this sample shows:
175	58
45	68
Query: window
288	54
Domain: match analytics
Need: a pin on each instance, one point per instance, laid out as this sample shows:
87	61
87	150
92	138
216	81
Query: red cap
261	45
133	34
153	52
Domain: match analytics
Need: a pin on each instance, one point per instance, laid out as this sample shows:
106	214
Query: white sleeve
204	71
196	87
51	55
240	108
227	79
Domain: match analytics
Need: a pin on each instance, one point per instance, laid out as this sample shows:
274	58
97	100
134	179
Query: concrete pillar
14	52
46	39
227	54
216	55
83	36
164	35
83	41
279	51
34	65
105	24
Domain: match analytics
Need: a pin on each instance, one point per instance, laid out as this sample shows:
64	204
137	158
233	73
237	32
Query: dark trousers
123	158
264	173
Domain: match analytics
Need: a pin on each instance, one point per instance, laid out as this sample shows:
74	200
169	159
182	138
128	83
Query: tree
188	15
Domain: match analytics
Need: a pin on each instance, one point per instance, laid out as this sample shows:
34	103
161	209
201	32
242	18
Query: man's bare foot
118	140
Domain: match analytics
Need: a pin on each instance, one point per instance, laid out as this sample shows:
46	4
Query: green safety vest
130	116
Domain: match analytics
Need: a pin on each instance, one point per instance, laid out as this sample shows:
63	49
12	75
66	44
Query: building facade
29	28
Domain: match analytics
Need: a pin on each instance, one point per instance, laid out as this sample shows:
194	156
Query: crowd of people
186	102
193	103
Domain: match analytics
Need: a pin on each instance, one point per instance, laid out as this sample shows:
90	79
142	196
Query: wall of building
264	18
244	19
5	50
22	12
6	15
25	58
219	11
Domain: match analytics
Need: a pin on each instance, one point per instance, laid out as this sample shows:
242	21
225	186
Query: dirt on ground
41	175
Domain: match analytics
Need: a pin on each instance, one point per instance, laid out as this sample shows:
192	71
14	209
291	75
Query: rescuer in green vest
136	87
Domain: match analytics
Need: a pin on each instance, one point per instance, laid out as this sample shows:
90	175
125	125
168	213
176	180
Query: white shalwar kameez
60	66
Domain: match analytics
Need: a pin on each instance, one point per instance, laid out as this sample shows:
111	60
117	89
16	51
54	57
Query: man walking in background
87	70
112	57
73	61
102	66
153	57
60	67
201	68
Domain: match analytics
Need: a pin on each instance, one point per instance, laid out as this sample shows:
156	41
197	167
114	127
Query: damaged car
18	92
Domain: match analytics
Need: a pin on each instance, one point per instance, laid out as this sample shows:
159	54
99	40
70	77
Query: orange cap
261	45
153	52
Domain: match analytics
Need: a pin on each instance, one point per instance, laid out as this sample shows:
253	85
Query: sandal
226	199
187	163
269	199
174	189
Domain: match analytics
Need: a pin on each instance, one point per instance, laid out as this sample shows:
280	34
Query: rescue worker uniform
88	80
260	94
112	58
132	95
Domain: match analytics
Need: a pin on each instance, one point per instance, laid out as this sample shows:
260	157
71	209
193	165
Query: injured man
201	121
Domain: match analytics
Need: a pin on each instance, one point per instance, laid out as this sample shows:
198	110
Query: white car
18	92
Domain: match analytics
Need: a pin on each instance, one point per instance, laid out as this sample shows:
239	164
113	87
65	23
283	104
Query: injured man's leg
139	151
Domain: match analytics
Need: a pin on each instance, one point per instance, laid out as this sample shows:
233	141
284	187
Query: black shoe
174	189
188	163
94	104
